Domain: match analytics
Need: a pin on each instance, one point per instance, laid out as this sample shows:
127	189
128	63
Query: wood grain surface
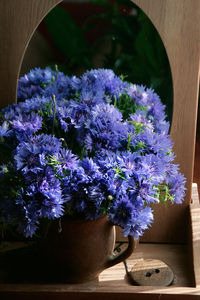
195	234
151	272
113	283
18	21
178	23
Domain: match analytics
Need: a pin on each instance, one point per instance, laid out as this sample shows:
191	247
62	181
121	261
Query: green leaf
66	35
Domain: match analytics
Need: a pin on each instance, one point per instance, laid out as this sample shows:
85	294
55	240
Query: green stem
57	71
54	112
115	101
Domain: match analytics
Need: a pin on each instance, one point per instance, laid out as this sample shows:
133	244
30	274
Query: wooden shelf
114	281
177	23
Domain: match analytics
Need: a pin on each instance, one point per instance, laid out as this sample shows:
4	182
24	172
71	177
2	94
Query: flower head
32	84
105	129
84	147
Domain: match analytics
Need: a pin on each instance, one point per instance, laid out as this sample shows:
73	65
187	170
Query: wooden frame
178	23
18	21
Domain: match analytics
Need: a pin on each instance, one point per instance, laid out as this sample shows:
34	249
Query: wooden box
175	235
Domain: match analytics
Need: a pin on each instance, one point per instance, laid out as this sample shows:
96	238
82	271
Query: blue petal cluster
33	83
83	147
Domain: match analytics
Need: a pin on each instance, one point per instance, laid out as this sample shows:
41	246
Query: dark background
115	34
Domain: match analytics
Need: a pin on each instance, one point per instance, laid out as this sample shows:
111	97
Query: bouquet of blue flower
83	147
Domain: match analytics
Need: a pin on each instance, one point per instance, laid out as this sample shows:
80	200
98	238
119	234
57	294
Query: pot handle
115	259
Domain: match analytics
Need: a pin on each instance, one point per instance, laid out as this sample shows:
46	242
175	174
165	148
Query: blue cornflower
28	215
26	125
64	162
40	76
121	211
72	114
103	80
30	154
52	200
141	220
35	104
5	129
91	168
71	151
105	129
63	87
176	183
33	83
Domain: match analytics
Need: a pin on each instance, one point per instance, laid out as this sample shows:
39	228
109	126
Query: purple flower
121	212
141	220
154	109
63	87
33	83
5	129
102	80
35	104
176	183
90	167
84	189
29	216
65	162
29	154
72	114
40	76
51	196
105	129
84	147
26	125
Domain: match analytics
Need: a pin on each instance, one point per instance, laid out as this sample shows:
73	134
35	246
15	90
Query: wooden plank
18	21
178	23
196	178
195	234
98	296
113	282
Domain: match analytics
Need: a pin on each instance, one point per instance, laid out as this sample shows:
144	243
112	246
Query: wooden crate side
18	21
178	23
195	234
